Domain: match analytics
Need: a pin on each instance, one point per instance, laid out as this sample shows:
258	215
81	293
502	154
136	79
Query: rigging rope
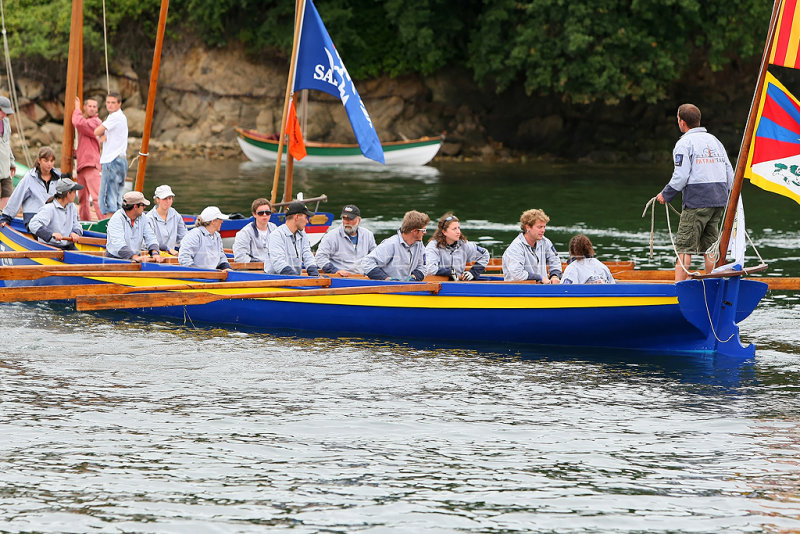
12	91
711	253
105	48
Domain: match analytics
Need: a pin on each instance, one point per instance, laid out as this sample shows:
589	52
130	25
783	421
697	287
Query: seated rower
127	230
402	256
583	268
57	222
289	249
165	221
531	256
448	252
34	189
342	249
252	240
202	246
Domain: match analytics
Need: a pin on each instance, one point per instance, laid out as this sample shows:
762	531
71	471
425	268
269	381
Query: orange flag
297	147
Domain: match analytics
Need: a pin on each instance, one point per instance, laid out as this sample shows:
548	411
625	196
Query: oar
17	254
35	274
248	266
22	272
37	293
153	300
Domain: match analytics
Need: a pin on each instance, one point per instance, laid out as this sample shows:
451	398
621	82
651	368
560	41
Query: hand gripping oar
61	292
153	300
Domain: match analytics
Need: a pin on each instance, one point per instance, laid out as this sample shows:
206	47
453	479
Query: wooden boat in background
261	148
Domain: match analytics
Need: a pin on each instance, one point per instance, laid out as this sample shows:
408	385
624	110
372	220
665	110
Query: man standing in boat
402	256
7	167
113	160
88	157
531	256
342	250
289	249
704	175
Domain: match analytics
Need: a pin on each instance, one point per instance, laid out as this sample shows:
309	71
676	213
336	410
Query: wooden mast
298	19
74	75
747	138
151	98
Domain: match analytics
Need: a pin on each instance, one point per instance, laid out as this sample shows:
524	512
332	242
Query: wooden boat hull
693	316
257	147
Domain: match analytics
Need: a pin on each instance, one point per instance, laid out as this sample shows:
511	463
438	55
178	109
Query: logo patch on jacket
678	160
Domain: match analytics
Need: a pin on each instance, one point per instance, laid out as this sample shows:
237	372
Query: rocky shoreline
204	93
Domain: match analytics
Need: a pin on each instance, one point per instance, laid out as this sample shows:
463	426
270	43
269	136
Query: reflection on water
111	423
133	425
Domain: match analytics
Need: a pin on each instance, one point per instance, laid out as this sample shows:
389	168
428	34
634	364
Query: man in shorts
704	175
7	167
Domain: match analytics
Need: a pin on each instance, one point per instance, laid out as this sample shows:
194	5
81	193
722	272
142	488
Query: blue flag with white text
319	67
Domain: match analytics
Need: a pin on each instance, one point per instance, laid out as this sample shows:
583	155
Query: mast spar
298	19
747	139
151	97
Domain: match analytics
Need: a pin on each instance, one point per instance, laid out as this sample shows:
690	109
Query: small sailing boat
316	65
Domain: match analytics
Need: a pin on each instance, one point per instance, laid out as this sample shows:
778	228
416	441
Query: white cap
211	213
163	191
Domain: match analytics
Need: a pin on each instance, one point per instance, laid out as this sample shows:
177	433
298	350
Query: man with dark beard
342	249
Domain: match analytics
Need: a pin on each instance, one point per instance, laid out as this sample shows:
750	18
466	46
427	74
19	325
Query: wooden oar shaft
18	254
36	274
151	300
62	292
32	272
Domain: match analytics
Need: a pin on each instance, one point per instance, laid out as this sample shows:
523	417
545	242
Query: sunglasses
140	205
263	212
422	230
450	218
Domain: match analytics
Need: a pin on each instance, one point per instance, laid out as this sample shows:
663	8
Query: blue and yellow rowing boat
696	316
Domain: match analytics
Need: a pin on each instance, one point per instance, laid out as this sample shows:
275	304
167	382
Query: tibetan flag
320	68
297	148
787	36
773	162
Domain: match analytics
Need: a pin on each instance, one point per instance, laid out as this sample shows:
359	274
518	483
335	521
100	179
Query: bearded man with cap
202	246
342	249
57	222
289	249
165	221
7	167
127	230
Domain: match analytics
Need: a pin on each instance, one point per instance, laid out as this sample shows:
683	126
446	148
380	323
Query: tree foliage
580	50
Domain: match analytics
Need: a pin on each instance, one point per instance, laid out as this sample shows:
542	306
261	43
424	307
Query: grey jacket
395	259
523	262
336	252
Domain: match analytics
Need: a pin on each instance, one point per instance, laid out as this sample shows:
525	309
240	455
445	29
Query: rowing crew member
289	249
32	192
531	256
342	250
127	230
202	246
449	251
165	221
252	241
583	267
402	256
57	222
